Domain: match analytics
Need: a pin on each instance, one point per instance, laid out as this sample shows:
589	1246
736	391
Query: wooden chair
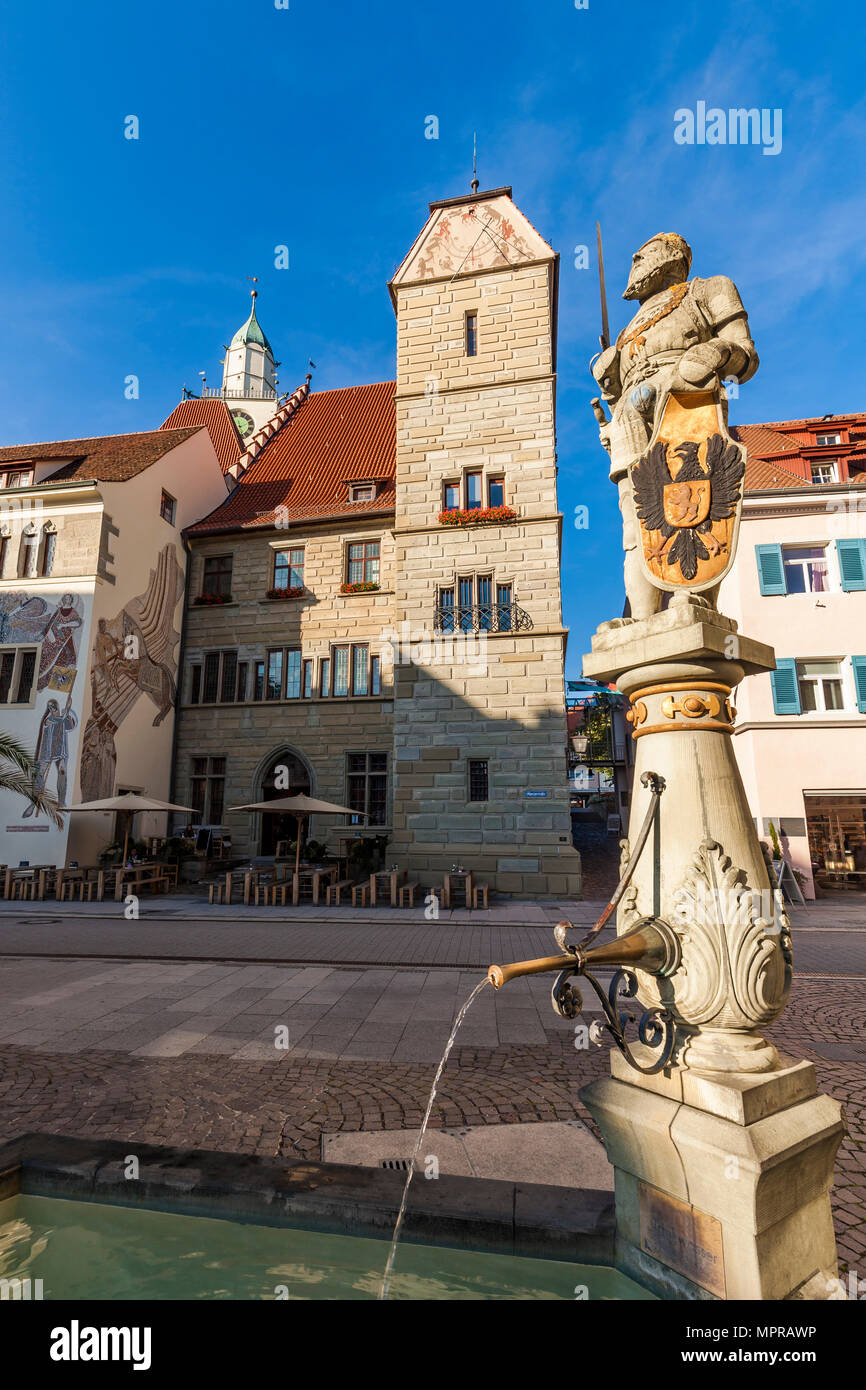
88	889
216	892
271	893
334	891
479	895
303	889
407	893
360	894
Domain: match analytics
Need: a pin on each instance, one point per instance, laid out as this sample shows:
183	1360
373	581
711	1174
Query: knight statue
678	471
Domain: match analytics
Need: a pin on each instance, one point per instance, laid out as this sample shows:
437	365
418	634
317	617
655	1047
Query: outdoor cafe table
82	873
460	875
136	876
390	880
318	876
254	877
33	873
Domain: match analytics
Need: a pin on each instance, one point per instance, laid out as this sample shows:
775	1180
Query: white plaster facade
110	540
788	760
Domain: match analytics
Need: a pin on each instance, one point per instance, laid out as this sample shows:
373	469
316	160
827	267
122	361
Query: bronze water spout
649	945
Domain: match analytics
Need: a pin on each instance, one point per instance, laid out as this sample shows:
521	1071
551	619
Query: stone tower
479	766
249	384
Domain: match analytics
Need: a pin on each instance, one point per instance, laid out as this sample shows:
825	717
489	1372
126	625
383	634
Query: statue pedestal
722	1184
724	1160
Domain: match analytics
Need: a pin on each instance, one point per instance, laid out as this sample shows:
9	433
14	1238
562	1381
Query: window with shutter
786	694
859	664
771	573
852	564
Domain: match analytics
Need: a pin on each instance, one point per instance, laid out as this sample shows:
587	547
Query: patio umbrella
130	803
300	806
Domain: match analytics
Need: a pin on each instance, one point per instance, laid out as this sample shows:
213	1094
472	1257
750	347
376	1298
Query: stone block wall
252	734
499	699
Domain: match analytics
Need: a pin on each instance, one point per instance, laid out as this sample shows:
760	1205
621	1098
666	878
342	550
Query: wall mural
26	618
30	618
133	655
472	238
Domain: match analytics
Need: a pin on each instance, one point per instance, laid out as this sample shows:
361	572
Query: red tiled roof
764	440
781	452
816	422
111	458
330	439
764	473
214	415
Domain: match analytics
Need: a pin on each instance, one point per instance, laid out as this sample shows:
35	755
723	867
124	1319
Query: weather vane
474	184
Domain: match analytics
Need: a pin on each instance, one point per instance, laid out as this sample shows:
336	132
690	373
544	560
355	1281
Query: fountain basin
195	1224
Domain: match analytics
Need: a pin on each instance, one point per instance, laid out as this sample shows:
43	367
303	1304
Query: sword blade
604	339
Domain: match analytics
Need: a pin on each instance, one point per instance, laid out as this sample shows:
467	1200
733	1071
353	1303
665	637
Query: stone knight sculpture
686	338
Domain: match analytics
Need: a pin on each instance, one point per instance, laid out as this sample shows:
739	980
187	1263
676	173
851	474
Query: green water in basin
85	1250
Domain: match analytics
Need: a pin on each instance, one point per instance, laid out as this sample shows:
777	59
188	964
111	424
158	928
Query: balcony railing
264	393
482	617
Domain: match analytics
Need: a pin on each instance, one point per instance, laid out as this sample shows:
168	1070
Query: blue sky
305	127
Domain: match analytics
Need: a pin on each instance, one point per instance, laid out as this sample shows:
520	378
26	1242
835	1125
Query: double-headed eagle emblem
682	508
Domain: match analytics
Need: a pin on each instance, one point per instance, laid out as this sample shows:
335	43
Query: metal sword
604	338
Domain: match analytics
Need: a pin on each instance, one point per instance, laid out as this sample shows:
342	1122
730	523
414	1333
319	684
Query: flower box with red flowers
211	600
477	516
365	588
293	591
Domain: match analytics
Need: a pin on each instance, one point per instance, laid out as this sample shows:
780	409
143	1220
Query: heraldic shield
688	494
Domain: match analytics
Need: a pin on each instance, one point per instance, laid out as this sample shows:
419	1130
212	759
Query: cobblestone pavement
126	1050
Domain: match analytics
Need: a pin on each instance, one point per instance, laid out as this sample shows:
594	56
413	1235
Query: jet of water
386	1278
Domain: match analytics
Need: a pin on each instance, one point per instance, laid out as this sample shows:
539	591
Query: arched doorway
288	768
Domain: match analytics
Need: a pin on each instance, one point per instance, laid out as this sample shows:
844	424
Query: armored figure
687	336
52	746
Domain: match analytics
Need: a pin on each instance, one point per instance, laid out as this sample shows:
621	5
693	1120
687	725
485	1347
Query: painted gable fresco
133	655
26	618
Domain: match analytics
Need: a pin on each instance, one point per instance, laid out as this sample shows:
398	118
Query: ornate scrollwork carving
637	714
691	706
656	1028
736	969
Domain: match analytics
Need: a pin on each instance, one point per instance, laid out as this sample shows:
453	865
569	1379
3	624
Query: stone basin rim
488	1215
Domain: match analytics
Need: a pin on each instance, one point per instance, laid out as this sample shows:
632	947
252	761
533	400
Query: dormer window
825	472
828	439
362	492
20	477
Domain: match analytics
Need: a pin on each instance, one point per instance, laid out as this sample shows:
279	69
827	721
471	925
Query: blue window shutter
852	564
859	664
786	692
771	571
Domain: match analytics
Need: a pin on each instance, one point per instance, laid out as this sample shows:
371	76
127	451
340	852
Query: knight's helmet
677	247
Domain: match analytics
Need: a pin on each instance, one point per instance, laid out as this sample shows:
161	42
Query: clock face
243	422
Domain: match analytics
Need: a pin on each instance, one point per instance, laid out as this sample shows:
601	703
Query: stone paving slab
329	1012
563	1154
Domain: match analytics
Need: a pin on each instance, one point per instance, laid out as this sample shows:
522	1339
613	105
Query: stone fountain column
723	1161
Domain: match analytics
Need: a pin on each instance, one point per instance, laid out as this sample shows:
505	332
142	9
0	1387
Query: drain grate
401	1165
